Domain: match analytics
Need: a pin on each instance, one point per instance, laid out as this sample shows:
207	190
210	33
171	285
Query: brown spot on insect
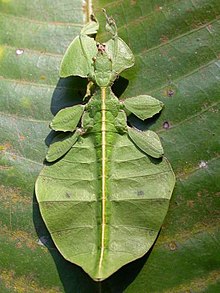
68	194
151	232
101	48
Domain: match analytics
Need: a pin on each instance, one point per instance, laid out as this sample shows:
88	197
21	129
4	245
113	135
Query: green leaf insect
106	188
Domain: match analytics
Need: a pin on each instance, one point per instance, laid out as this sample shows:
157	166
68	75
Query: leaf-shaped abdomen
137	198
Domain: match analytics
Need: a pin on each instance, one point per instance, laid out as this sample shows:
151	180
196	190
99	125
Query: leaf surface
34	36
176	47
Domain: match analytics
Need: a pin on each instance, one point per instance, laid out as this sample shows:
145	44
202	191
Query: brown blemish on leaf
13	196
133	2
190	203
166	125
5	146
199	194
21	137
186	172
21	238
158	8
185	235
23	284
14	157
196	25
197	284
164	39
170	92
5	167
10	199
43	77
172	245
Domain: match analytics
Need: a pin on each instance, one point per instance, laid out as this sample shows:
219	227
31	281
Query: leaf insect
105	189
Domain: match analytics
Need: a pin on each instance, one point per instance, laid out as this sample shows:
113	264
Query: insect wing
121	55
90	28
78	57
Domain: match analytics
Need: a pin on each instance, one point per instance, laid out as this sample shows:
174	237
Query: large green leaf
34	36
176	46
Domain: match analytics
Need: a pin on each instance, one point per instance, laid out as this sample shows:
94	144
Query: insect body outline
119	181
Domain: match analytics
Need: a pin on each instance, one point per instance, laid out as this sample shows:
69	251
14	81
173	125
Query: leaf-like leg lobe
148	141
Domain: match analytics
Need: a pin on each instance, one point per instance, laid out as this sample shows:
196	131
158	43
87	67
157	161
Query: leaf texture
34	36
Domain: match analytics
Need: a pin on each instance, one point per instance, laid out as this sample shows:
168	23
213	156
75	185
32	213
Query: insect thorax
92	117
103	74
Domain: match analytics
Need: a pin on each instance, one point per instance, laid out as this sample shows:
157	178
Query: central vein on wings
103	131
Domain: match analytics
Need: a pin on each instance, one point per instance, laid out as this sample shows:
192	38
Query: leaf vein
146	51
191	117
31	20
